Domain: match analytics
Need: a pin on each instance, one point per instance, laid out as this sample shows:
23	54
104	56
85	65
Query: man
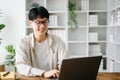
40	54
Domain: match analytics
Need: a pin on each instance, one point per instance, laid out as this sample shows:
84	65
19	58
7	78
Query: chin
42	33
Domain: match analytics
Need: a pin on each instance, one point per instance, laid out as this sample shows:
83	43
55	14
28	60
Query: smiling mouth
42	30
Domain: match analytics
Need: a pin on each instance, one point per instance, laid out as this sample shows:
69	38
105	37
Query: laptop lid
85	68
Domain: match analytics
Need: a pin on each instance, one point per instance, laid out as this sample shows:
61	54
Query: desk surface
101	76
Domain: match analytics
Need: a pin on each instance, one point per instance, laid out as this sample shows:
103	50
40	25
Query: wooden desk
108	76
101	76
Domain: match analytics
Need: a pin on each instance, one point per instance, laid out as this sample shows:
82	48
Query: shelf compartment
56	5
113	4
58	32
103	65
97	49
31	3
102	17
97	4
57	19
101	33
81	19
112	18
111	34
80	34
117	53
111	50
81	5
77	49
117	34
116	67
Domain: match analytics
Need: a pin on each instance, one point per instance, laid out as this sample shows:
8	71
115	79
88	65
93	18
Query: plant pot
2	68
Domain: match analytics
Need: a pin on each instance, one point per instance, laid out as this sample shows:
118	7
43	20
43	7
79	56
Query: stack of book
94	50
59	33
93	36
93	20
118	18
53	20
112	20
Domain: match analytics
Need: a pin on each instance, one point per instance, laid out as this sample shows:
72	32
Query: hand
52	73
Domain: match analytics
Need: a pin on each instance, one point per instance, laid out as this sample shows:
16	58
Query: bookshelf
90	38
98	28
97	32
113	49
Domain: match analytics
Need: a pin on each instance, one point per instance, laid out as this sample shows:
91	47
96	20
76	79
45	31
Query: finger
57	75
57	71
54	75
47	74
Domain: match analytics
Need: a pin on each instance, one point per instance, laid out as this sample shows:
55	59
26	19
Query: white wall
14	18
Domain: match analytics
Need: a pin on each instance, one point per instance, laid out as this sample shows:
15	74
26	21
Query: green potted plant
72	22
10	58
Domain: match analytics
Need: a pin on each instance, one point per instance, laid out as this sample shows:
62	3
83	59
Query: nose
42	26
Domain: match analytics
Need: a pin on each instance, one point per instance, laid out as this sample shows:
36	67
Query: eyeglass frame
45	23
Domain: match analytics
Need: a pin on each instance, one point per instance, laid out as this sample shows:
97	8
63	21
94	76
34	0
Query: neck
40	38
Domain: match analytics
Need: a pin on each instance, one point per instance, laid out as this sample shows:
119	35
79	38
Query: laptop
85	68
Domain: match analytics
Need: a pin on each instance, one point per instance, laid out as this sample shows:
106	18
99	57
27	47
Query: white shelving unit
90	38
113	49
78	39
93	36
98	28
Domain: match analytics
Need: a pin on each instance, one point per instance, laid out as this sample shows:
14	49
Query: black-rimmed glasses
45	23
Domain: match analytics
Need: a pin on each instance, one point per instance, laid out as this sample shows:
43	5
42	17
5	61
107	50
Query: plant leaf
2	26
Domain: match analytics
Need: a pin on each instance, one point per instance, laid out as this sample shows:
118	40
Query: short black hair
41	12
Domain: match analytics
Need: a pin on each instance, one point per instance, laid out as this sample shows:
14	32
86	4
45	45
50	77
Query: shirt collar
49	38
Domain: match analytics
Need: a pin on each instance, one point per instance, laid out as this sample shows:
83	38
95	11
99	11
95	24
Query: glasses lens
41	22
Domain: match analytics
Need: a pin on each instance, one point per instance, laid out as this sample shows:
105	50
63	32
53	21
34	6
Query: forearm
28	70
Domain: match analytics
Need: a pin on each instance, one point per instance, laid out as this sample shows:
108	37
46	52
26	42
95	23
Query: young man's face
40	26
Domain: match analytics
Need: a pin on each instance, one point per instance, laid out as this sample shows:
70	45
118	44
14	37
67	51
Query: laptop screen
85	68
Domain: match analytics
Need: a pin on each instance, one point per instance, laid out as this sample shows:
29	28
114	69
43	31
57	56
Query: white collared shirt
27	61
